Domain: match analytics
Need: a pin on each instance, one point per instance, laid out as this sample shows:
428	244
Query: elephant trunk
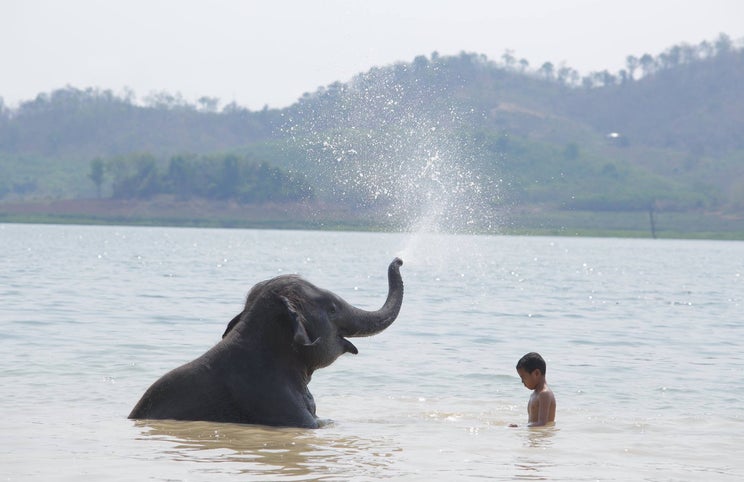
367	323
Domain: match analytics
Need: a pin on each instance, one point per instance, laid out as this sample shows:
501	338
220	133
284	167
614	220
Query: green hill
462	141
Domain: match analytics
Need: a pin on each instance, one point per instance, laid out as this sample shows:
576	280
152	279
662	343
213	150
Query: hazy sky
271	52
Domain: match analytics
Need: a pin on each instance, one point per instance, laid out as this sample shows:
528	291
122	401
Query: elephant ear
297	322
232	323
253	295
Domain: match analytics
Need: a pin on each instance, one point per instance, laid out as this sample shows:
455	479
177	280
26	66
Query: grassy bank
206	214
519	221
636	224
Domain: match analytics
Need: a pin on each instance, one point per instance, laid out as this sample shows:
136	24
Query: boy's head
527	368
530	362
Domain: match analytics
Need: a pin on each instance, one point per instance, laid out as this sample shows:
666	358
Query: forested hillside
662	134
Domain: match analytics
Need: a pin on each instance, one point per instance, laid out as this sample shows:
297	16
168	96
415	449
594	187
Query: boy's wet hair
530	362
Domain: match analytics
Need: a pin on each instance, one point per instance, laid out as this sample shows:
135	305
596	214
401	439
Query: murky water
644	341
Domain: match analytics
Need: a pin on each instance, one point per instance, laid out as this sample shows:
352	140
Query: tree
567	75
135	178
648	64
181	178
607	78
631	62
706	50
146	179
723	44
229	178
420	63
509	59
546	70
96	175
208	104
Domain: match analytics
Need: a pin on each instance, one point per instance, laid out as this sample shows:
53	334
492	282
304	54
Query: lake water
644	341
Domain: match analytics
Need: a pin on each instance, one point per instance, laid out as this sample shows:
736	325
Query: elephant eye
332	309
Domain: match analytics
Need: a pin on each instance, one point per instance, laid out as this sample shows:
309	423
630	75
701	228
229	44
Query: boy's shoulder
545	391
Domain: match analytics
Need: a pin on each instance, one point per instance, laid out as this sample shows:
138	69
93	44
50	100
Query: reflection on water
531	463
300	454
540	437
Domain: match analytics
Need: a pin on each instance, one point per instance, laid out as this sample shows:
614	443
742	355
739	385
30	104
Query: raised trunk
367	323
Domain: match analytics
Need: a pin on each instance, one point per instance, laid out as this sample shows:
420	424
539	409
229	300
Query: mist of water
398	151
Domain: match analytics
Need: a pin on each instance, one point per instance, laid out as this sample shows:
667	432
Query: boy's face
529	379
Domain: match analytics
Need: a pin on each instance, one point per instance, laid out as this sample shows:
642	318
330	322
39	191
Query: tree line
224	177
86	123
636	67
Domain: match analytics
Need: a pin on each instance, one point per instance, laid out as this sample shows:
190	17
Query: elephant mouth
348	346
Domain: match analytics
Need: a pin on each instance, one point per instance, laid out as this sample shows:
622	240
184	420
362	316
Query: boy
541	407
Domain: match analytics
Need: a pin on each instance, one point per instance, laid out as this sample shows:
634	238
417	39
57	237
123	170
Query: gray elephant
258	373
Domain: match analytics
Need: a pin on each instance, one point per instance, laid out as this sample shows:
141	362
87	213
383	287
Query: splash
396	148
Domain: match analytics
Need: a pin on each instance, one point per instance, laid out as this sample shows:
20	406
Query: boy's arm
543	409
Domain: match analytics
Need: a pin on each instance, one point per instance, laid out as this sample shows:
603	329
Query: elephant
259	372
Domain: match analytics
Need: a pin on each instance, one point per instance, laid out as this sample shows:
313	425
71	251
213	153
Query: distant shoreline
194	213
530	221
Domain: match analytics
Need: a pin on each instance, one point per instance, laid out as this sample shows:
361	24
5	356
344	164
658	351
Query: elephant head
317	321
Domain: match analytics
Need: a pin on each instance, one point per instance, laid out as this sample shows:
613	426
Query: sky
269	53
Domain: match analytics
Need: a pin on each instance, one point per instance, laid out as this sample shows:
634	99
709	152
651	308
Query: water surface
643	339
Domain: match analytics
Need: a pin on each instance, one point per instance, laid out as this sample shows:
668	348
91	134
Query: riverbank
529	220
164	212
